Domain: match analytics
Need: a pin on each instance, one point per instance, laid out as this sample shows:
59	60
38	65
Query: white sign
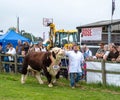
91	33
47	21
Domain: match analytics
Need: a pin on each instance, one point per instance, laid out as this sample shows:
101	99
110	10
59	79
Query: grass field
12	89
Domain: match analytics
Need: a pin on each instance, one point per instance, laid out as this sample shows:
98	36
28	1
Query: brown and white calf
46	61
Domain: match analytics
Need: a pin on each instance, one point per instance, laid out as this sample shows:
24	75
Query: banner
91	33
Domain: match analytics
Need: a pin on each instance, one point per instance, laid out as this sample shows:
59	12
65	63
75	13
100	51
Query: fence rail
15	62
104	72
97	71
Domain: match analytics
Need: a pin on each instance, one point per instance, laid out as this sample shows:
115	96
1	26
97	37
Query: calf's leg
37	75
23	78
49	78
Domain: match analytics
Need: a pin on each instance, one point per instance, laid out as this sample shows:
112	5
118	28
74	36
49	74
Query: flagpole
17	29
113	8
110	28
111	21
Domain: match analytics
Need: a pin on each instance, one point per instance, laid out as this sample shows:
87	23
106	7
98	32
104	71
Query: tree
30	36
12	28
27	35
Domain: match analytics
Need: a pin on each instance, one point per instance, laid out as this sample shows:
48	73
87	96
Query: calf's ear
53	54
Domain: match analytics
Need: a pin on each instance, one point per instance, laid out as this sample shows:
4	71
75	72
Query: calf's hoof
22	82
50	85
41	82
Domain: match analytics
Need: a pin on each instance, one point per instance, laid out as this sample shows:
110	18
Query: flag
113	6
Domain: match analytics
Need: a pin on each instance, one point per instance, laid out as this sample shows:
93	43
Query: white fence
103	72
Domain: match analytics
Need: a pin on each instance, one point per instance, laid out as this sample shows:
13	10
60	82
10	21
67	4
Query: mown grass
12	89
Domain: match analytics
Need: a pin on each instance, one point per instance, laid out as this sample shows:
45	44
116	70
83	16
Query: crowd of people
20	49
77	59
77	56
110	52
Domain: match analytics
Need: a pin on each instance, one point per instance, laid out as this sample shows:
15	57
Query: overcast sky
66	14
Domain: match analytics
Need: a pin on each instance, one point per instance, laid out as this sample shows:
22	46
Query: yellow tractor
61	38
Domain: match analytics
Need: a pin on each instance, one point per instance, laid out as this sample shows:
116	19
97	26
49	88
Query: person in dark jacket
112	56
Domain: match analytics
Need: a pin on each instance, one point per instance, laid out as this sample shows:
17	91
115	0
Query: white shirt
11	51
89	52
75	61
106	53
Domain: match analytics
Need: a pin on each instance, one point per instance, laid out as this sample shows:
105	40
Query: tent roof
12	35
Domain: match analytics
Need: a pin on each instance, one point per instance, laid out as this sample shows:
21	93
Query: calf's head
57	54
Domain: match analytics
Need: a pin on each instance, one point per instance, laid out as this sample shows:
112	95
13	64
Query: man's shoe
73	87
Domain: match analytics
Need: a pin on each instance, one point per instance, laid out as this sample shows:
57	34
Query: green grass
12	89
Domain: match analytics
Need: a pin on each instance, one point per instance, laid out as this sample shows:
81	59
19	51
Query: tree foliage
27	35
32	37
12	28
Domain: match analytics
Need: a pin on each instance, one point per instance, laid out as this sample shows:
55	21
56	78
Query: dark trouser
74	78
6	65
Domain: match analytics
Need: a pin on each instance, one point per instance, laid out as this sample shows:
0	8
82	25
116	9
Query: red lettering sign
86	32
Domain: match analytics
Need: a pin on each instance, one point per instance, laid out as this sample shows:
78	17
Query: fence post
15	63
103	73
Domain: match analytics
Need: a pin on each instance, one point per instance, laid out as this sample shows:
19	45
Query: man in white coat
75	63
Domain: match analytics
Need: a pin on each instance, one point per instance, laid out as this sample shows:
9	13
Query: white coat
75	61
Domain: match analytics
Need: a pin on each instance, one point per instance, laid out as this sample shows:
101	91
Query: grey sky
66	14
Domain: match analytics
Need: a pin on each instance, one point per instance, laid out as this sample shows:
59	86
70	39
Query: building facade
110	32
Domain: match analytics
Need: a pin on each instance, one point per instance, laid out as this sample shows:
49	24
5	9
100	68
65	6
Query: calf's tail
25	66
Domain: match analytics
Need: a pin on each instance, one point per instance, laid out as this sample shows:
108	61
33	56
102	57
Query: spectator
118	58
87	55
2	57
70	46
19	51
1	48
87	52
100	52
107	51
34	48
75	61
43	48
6	66
25	47
40	44
11	51
112	56
19	47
